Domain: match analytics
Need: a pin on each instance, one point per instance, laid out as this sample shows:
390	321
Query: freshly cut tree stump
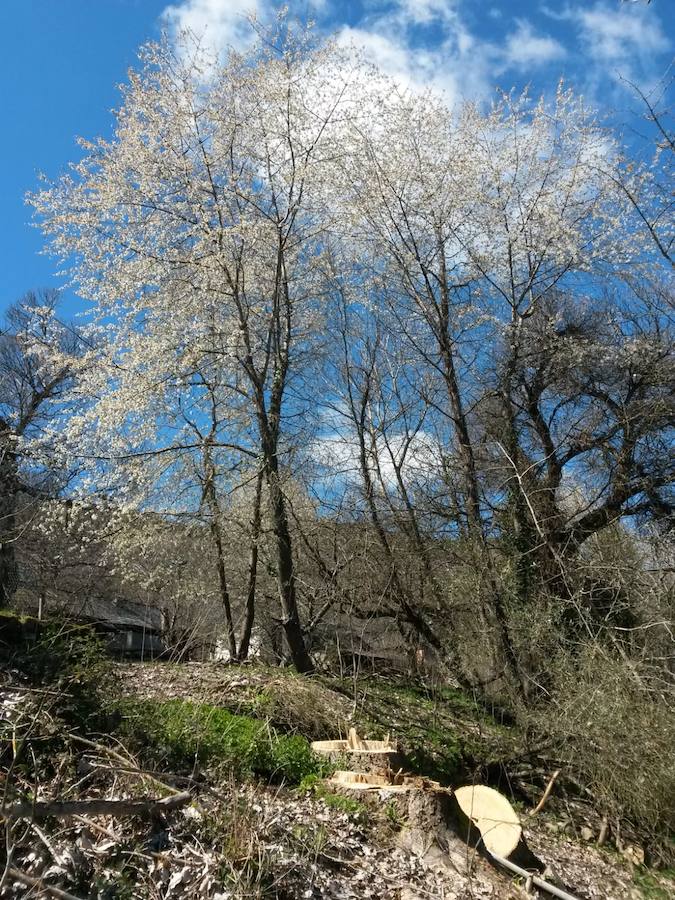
493	816
360	781
441	826
364	755
354	744
426	809
377	781
429	831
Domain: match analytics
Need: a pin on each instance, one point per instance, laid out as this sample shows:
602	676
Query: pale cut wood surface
493	816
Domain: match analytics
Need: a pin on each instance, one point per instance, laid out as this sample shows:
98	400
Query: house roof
120	613
117	612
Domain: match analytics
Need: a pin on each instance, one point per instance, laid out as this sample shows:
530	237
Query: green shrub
292	757
181	732
69	662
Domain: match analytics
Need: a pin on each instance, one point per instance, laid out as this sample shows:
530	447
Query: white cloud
455	63
392	57
428	43
616	40
339	457
458	66
615	34
219	23
424	12
526	49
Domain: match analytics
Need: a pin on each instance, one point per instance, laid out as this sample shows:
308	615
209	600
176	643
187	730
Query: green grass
182	733
443	732
655	885
349	805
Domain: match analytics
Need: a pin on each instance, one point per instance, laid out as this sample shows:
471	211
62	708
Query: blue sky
61	62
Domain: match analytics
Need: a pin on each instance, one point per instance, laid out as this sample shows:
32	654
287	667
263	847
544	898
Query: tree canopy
449	324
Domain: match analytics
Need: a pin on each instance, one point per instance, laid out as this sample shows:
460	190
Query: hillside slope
258	821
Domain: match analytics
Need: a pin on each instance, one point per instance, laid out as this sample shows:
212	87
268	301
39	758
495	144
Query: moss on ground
318	788
182	733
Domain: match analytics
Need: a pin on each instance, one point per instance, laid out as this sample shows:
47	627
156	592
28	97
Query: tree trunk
245	642
523	537
224	591
412	616
268	398
290	618
8	572
217	535
475	523
8	566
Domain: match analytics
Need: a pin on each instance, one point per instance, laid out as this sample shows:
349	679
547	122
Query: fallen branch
131	763
40	885
146	773
65	808
18	688
545	796
106	832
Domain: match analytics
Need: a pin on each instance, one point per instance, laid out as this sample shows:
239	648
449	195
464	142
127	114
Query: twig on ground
126	763
40	885
546	794
96	807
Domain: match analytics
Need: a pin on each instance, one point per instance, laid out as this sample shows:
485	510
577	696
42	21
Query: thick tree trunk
466	455
495	607
224	591
268	384
411	615
8	572
290	618
523	537
457	411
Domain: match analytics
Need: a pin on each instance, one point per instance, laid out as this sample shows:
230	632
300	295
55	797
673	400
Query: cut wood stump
425	808
442	827
363	755
394	782
430	831
360	781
